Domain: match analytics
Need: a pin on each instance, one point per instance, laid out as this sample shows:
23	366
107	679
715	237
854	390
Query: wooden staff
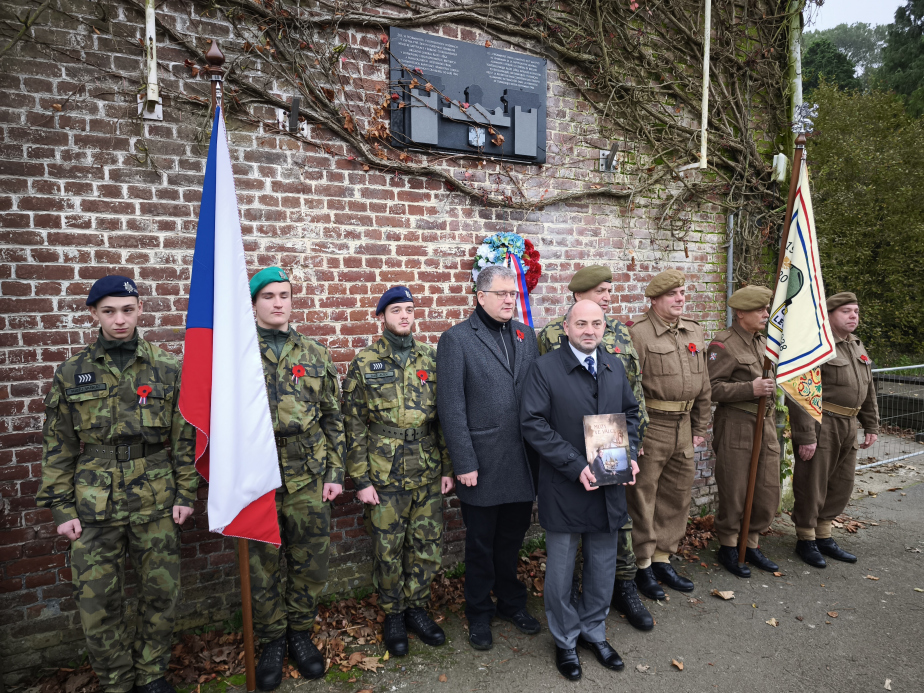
762	402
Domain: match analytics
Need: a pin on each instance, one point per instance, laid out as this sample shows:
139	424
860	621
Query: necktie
590	365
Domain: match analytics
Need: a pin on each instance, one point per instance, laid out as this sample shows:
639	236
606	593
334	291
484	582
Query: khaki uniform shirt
377	390
735	359
616	340
305	411
846	381
91	402
674	371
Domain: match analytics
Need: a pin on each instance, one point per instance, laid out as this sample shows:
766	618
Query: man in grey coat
562	388
481	365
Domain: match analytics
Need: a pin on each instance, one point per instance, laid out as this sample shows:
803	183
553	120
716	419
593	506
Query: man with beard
397	458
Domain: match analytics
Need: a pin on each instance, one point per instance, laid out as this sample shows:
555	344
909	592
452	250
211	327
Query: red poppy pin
422	375
864	358
298	371
617	350
143	393
520	336
692	347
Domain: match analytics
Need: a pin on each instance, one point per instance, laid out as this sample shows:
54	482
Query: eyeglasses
504	294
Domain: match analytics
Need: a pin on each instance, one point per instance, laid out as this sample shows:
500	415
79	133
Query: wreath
493	251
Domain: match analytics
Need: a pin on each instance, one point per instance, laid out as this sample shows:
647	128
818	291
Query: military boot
157	686
728	557
627	602
808	552
309	661
830	548
394	634
269	668
417	620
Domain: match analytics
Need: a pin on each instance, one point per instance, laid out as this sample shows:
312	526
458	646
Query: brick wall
87	189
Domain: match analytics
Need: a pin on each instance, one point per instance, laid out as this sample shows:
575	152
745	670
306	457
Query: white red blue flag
223	390
526	314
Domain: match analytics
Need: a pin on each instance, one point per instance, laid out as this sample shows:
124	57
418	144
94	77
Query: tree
824	60
860	42
903	56
866	162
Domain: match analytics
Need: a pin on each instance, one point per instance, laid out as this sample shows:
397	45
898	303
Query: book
607	439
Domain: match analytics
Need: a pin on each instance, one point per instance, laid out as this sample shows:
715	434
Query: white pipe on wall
707	40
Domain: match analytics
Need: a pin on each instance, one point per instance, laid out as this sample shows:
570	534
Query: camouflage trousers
304	524
98	570
406	529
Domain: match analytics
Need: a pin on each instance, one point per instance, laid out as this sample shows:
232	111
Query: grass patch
457	571
534	544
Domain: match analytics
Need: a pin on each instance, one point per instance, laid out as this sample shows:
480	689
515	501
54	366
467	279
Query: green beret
264	277
664	282
750	298
587	278
844	298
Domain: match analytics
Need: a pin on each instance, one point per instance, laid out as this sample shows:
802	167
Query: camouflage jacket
378	391
304	400
616	340
91	402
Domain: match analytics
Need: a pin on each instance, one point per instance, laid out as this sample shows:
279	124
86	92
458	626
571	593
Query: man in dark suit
561	388
481	365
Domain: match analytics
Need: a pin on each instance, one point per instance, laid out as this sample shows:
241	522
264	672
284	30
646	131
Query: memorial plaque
480	100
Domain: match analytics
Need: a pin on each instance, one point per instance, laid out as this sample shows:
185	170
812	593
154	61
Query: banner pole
762	402
243	556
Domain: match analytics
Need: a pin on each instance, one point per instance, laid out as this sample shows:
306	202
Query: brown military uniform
677	392
822	485
735	358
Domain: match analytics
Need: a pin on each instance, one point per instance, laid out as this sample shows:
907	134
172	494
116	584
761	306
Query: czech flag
526	314
223	391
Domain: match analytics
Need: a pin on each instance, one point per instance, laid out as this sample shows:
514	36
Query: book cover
607	439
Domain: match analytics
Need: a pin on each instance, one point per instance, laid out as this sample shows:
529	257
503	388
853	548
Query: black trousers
493	537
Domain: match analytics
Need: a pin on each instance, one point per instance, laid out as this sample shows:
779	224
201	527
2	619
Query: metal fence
900	395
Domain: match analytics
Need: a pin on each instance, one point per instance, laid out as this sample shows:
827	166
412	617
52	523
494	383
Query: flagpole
216	72
768	365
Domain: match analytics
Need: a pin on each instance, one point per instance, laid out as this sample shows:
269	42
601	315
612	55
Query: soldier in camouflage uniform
125	492
594	283
397	458
304	399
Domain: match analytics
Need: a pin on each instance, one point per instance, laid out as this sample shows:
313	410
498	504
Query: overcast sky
835	12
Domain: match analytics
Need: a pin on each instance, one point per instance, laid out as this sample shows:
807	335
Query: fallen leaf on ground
778	574
772	622
871	577
918	589
888	684
370	664
442	678
724	594
832	614
642	668
677	664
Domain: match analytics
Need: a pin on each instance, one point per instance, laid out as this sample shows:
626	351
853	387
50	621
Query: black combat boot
156	686
394	634
417	620
665	573
309	661
627	602
647	584
269	668
757	559
808	552
728	557
830	548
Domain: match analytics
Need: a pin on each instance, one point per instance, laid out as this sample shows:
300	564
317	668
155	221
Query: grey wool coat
478	399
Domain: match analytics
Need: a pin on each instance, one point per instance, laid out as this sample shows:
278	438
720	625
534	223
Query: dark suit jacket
478	400
559	393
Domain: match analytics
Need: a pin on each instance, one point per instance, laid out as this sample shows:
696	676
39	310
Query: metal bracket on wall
609	159
289	121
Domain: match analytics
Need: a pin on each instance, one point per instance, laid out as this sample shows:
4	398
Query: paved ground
876	636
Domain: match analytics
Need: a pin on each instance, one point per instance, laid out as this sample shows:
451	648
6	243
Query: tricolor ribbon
298	371
143	393
526	314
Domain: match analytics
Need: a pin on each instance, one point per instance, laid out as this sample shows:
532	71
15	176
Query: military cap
844	298
587	278
266	276
396	294
750	298
664	282
113	285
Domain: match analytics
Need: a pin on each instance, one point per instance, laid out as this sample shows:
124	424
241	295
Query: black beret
396	294
113	285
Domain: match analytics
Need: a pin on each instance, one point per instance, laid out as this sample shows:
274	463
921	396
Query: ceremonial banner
223	391
799	337
526	313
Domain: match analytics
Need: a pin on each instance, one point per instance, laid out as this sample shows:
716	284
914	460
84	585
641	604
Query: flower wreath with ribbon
512	250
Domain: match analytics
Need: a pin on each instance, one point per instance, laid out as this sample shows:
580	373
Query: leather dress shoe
647	585
626	602
604	653
568	663
394	634
269	668
728	557
830	548
808	552
309	661
479	635
757	559
416	619
156	686
665	573
524	622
